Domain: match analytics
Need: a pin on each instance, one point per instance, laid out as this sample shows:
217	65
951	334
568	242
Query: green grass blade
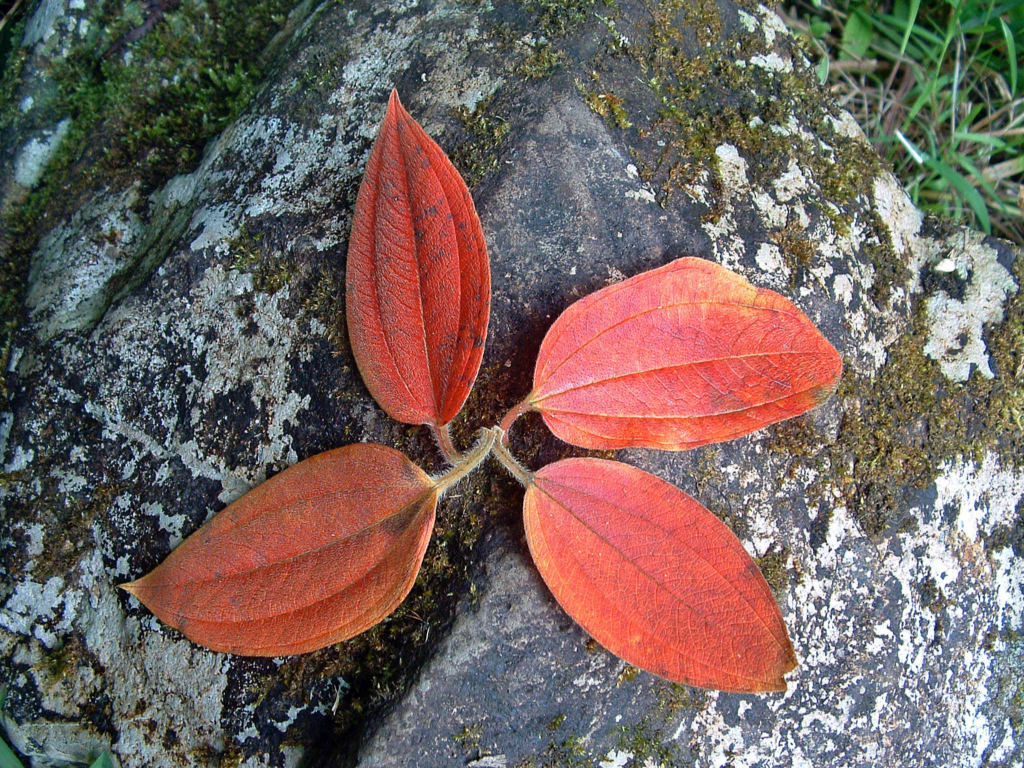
952	30
979	177
921	43
983	138
898	27
915	5
103	761
982	20
925	98
857	34
7	757
1011	53
964	188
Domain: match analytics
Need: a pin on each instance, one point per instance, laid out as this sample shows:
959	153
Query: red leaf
683	355
418	279
315	555
655	577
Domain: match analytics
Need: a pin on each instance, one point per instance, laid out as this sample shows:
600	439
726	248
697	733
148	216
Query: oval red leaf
418	284
683	355
654	577
315	555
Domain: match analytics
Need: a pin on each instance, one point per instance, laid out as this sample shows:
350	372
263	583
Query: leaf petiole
514	413
466	462
443	436
502	454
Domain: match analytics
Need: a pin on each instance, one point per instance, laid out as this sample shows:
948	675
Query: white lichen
956	325
36	154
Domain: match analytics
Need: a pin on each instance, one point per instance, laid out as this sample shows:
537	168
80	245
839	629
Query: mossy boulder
181	337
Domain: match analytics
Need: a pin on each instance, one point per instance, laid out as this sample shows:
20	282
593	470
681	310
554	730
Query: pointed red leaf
315	555
677	357
418	278
654	577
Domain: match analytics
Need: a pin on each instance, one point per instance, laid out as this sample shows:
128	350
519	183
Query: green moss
1017	705
709	487
13	63
707	93
774	567
890	269
326	301
269	272
1007	682
702	16
607	105
570	752
1009	534
616	42
627	675
562	751
797	249
188	77
931	595
478	156
184	82
63	658
69	521
544	59
556	18
675	697
230	756
647	746
469	737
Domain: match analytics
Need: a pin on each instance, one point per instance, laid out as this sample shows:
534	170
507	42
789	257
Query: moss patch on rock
141	109
881	457
478	156
717	95
557	18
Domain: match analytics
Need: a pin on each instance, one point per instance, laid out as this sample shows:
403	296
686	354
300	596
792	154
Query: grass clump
938	89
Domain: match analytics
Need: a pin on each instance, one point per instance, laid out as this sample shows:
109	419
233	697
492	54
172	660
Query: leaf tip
834	362
777	685
129	587
824	392
786	665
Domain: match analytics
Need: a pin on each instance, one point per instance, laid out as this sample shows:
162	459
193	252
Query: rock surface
181	345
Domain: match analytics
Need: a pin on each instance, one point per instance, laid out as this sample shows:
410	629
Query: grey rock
162	372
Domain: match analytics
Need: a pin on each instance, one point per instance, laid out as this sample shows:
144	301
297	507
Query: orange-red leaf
683	355
315	555
418	278
654	577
